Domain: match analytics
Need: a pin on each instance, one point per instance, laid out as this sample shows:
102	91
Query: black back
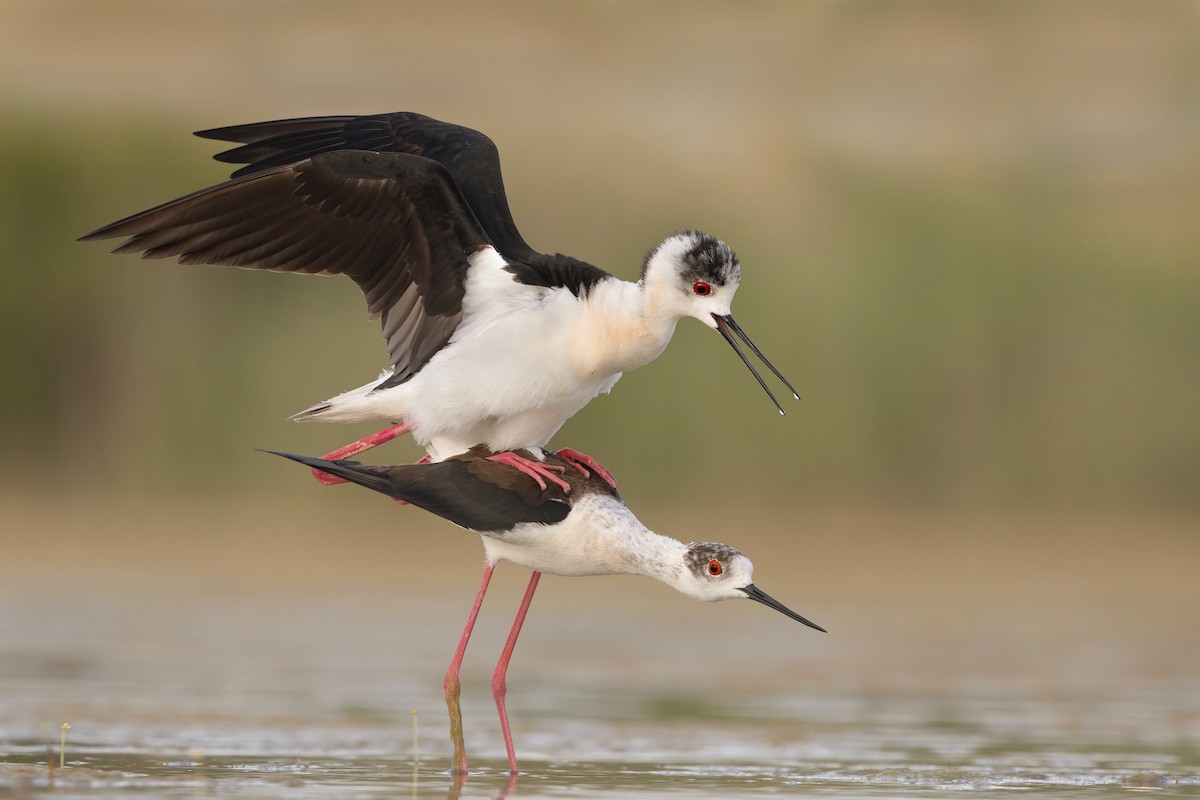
469	490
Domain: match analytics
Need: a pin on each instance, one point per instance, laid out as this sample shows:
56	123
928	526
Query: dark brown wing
394	223
487	500
470	157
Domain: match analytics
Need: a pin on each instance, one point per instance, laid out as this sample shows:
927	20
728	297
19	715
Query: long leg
451	683
498	685
354	448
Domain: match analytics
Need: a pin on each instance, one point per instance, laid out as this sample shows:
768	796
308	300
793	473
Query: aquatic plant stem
416	739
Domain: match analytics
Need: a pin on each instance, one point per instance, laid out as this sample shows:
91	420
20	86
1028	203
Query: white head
713	571
692	274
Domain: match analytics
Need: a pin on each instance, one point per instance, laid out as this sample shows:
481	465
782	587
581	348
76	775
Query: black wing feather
557	270
394	223
362	234
470	157
453	491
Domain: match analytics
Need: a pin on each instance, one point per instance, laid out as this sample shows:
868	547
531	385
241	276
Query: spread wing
394	223
469	156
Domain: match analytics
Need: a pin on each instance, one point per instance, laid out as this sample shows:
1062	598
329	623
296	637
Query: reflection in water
229	698
857	745
129	775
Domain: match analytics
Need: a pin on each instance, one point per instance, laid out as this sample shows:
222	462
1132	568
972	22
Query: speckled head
697	256
716	571
692	274
709	259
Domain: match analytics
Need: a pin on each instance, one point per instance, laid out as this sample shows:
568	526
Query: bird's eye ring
714	568
701	288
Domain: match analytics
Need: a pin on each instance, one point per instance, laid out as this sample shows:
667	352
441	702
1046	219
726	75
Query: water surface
243	694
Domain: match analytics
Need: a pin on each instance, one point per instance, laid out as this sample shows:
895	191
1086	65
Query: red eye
703	289
714	567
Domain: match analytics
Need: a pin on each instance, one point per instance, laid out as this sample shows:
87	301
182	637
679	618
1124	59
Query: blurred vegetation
967	229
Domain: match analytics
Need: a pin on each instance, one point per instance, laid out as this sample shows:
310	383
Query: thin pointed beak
754	593
727	327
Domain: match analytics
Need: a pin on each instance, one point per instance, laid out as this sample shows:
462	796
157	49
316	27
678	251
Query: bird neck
616	542
654	556
621	328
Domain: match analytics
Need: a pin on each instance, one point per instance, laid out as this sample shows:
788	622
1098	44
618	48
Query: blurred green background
968	232
969	238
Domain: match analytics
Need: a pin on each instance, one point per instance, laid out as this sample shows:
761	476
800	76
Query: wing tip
110	231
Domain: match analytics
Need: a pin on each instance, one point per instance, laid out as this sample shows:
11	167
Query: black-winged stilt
588	531
489	341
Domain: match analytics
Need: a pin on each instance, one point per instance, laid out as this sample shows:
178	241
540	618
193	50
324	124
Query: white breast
508	377
523	361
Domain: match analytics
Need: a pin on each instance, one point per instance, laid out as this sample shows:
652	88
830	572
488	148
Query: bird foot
354	448
535	469
581	461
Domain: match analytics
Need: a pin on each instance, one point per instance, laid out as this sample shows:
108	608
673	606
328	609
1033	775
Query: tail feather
310	413
370	477
356	405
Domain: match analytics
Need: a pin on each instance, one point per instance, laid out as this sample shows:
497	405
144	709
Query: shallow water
240	694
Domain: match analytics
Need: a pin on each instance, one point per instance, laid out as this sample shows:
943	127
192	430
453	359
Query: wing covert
470	156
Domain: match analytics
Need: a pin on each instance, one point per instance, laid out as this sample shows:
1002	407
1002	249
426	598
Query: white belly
509	382
524	360
511	386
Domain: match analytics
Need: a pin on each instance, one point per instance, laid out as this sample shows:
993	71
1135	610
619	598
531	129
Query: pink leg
580	460
452	684
534	469
354	448
498	685
512	784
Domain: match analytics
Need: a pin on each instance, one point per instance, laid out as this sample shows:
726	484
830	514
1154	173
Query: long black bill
755	593
727	327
